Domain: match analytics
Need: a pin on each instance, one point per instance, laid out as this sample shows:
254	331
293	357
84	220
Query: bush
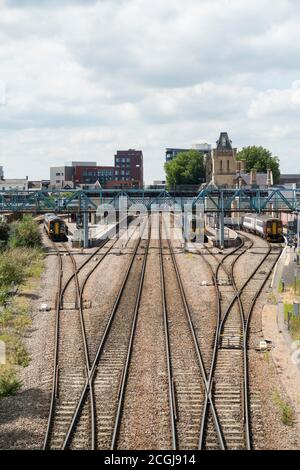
25	233
286	410
9	382
15	351
12	270
16	264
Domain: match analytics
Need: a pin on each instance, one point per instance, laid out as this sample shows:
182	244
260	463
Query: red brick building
127	172
129	167
92	174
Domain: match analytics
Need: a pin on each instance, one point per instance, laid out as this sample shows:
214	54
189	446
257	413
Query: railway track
228	380
108	371
210	407
68	371
72	359
187	378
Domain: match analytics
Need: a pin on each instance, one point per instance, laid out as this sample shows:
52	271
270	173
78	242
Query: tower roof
224	143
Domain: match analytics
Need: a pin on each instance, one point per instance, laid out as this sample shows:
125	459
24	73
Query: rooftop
261	178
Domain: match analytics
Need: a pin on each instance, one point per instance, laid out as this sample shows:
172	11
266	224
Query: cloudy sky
80	79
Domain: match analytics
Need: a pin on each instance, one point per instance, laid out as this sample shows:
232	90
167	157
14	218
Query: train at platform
55	227
270	228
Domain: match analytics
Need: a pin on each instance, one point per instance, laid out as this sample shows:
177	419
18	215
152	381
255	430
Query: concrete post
93	218
85	225
221	226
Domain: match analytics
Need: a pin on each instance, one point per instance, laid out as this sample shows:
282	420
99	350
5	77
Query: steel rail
245	325
84	339
59	306
245	349
88	259
244	328
55	359
168	348
91	256
208	397
103	340
123	382
195	341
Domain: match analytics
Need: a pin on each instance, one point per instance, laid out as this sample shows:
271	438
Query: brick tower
224	162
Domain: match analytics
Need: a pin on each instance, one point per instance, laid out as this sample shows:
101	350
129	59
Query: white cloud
277	103
84	78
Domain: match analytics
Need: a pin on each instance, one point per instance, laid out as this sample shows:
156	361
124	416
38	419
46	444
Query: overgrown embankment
21	264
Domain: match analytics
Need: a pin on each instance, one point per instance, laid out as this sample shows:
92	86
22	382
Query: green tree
25	233
185	168
261	159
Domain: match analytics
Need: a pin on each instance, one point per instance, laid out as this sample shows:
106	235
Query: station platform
231	238
96	232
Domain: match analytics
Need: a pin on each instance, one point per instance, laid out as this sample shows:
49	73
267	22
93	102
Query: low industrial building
17	184
290	180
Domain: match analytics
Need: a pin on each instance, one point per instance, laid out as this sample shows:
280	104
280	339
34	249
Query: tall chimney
243	166
269	177
253	181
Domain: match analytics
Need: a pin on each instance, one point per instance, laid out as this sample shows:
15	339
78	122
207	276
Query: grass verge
21	265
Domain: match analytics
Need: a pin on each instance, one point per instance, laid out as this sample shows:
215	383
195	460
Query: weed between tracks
21	265
286	410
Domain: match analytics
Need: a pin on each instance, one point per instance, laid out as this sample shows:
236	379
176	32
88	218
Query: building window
221	166
227	166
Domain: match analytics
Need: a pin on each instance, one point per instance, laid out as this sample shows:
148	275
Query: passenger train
55	227
265	226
